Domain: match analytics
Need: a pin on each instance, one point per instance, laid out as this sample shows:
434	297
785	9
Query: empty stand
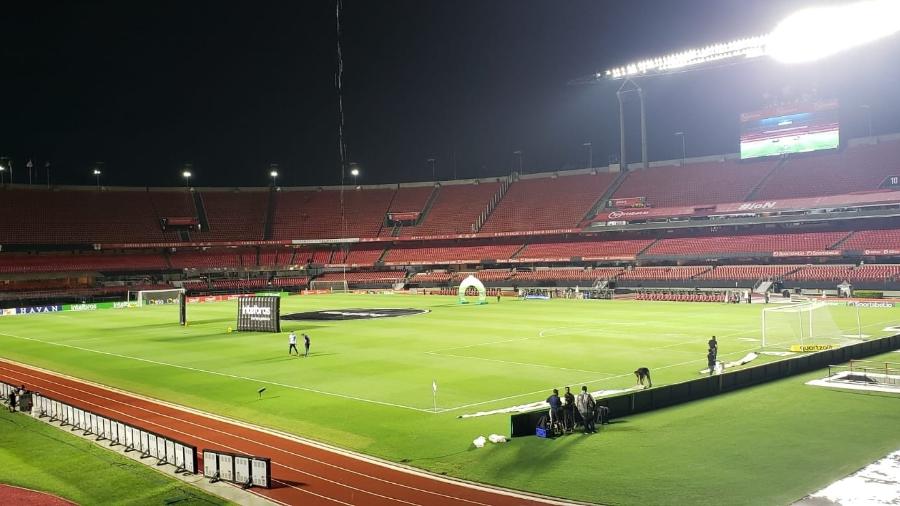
694	184
16	263
547	203
833	273
679	273
317	214
585	249
762	243
235	216
442	254
874	272
209	259
858	168
78	217
748	272
454	209
873	239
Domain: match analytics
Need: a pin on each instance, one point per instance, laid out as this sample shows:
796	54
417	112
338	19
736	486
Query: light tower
186	174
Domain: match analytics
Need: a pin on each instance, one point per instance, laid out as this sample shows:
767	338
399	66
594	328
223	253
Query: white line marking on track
238	436
304	441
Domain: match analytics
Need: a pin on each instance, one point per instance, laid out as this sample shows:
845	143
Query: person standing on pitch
292	342
306	345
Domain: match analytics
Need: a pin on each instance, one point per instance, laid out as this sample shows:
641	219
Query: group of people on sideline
562	411
12	398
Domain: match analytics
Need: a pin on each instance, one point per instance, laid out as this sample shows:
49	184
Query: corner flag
434	394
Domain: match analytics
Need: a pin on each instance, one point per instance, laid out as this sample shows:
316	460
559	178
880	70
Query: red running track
302	472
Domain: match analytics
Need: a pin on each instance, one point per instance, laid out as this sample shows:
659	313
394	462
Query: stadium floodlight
2	170
354	172
805	36
97	173
752	47
819	32
274	173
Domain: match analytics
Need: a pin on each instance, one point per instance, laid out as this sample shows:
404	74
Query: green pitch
37	456
367	385
805	144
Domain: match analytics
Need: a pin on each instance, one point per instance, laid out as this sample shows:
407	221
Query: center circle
353	314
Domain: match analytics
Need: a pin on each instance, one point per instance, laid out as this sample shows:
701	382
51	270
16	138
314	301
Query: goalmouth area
368	383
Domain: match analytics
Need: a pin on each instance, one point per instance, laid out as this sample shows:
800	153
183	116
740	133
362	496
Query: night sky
234	86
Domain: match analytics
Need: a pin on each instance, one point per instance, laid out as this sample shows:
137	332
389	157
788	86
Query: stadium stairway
270	215
647	247
389	207
425	210
491	205
751	195
603	201
842	240
201	210
516	254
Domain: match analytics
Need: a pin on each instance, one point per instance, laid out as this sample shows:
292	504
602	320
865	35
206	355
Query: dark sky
234	86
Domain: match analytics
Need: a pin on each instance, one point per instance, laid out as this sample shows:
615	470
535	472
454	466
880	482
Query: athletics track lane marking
237	436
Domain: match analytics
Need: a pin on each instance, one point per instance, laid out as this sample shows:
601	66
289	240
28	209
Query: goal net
338	286
810	323
154	297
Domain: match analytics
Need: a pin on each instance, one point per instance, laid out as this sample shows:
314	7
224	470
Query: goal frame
334	286
808	307
139	294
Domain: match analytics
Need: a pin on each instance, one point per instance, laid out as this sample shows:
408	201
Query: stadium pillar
631	86
644	159
623	159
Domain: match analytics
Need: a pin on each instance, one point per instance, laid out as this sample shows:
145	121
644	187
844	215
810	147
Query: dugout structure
472	282
259	314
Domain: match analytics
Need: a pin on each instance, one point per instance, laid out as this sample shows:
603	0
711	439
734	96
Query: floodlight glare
807	35
354	172
186	174
96	172
274	173
816	33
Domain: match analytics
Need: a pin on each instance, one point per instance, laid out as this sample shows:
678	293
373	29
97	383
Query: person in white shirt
292	341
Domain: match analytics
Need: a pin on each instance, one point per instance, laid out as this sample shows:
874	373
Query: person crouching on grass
641	373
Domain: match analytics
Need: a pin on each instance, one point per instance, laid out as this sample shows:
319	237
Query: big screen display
794	128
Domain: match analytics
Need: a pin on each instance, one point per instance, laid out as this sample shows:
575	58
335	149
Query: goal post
810	322
155	297
335	286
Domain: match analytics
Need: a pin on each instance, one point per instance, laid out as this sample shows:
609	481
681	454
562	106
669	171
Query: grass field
367	386
40	457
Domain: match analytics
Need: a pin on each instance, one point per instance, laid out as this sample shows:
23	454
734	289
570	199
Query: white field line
216	443
625	375
223	374
527	364
305	441
606	377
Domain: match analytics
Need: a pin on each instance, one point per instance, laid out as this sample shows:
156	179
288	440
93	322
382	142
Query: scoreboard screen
794	128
